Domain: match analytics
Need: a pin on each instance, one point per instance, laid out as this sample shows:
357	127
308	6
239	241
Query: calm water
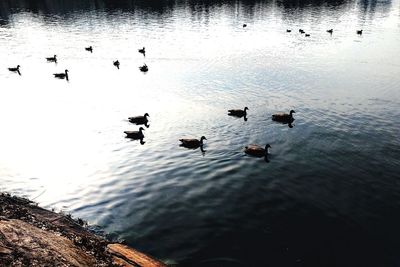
330	194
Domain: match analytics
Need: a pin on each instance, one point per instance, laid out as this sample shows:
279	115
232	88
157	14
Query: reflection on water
329	195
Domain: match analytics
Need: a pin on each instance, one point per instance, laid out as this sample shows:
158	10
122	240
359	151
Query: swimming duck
15	69
307	35
143	51
144	68
288	30
116	64
61	75
135	134
52	59
139	119
244	25
330	31
238	112
192	143
90	49
256	150
301	31
283	117
359	32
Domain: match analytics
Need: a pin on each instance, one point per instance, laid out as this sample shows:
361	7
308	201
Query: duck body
16	69
330	31
244	25
135	134
90	49
61	75
116	64
256	150
283	117
139	119
192	143
52	59
307	35
238	112
288	30
142	50
359	32
144	68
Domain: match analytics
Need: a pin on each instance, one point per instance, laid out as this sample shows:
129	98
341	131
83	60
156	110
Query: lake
329	193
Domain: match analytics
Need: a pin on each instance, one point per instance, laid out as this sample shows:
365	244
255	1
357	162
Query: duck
144	68
116	64
16	69
307	35
244	25
283	117
301	31
61	75
359	32
139	119
192	143
256	150
135	134
330	31
143	51
238	112
52	59
288	30
90	49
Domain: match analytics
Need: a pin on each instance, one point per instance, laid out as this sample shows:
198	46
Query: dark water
330	194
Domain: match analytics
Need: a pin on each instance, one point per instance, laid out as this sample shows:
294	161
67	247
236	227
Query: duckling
244	25
192	143
307	35
288	30
144	68
52	59
90	49
15	69
283	117
256	150
116	64
330	31
139	119
61	75
359	32
238	112
135	134
143	51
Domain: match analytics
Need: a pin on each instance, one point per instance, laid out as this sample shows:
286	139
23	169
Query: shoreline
33	236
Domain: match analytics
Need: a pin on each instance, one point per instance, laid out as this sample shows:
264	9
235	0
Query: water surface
330	193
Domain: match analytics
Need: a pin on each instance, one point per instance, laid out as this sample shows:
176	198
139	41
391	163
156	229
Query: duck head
18	67
267	146
246	108
202	138
66	71
291	112
146	115
141	129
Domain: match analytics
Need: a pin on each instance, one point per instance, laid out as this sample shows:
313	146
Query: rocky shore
33	236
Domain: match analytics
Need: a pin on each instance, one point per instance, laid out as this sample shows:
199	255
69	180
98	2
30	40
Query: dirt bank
32	236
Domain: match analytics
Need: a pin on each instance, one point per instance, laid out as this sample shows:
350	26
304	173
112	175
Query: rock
128	257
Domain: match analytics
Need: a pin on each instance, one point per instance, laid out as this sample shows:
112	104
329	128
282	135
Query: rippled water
330	193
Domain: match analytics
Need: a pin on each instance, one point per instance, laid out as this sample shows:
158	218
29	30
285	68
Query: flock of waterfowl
64	75
252	149
193	143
